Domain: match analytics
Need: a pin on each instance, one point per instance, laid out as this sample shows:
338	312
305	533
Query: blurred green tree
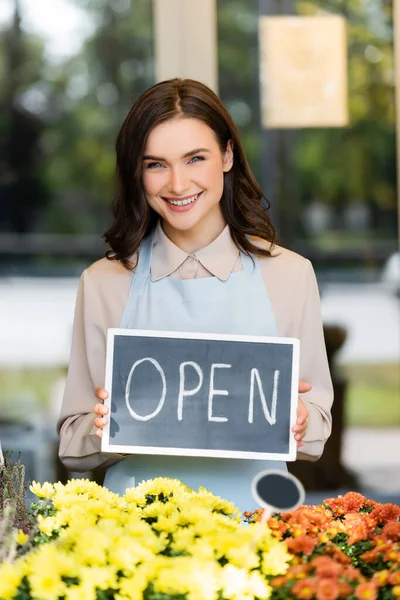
23	191
357	164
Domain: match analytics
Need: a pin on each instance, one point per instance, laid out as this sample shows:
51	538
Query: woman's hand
300	428
100	411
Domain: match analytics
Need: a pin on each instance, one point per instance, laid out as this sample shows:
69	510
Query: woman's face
183	169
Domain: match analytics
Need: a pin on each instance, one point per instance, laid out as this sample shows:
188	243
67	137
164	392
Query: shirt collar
218	258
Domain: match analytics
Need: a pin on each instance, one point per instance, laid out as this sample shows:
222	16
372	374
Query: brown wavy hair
243	204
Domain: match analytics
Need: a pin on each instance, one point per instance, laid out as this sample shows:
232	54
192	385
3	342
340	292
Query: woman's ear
228	157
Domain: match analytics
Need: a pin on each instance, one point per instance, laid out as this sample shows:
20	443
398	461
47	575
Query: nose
178	182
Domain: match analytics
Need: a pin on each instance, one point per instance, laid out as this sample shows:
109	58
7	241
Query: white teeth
182	202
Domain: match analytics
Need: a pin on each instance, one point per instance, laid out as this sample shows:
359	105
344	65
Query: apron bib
239	305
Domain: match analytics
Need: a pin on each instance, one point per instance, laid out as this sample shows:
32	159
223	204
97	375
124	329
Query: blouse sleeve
79	446
314	369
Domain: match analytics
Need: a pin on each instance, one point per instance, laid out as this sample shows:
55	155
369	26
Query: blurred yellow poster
303	71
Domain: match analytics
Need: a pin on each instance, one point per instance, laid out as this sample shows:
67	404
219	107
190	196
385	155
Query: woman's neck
194	239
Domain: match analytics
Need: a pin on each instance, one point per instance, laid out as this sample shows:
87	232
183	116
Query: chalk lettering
270	416
128	387
213	392
182	391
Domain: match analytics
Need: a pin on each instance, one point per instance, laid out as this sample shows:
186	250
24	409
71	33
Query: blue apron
239	305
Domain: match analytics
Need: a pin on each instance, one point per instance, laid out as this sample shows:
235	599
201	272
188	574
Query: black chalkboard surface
193	394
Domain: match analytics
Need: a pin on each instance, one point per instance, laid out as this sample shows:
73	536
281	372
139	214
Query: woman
192	249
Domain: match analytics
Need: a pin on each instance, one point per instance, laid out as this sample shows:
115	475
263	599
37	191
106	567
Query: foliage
159	541
348	547
16	520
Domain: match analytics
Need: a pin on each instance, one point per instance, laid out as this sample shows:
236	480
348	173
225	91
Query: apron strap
145	254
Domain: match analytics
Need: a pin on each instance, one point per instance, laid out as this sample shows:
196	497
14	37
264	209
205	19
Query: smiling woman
185	187
192	250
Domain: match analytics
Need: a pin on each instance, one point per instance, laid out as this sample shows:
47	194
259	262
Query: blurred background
69	72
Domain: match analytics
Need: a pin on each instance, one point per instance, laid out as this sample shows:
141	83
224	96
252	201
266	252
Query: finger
300	444
302	417
299	436
298	427
100	423
101	393
304	387
100	409
99	433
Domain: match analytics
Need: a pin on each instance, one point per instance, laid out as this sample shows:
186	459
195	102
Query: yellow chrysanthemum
48	525
10	578
42	491
104	541
92	546
21	538
102	578
155	487
127	554
132	588
80	592
276	560
63	563
184	575
239	584
46	583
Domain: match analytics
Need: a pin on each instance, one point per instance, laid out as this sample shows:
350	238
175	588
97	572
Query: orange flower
366	591
345	589
336	505
381	578
303	544
325	567
392	555
278	527
327	589
371	555
298	571
358	533
396	591
353	501
279	581
394	577
383	513
304	589
392	530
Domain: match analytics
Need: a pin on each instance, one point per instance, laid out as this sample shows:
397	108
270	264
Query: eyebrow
186	155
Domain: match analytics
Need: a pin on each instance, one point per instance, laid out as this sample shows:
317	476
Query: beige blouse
103	291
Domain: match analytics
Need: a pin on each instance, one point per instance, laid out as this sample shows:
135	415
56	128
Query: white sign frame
196	452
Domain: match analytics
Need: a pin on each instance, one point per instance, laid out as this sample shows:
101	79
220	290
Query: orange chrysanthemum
366	591
383	513
391	531
381	578
327	589
304	589
353	574
279	581
394	577
303	544
325	567
345	589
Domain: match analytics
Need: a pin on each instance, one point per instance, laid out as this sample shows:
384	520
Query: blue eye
153	165
196	159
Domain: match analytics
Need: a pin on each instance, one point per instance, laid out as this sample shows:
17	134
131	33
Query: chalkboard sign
192	394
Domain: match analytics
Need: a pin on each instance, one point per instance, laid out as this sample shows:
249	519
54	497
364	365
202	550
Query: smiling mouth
184	201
